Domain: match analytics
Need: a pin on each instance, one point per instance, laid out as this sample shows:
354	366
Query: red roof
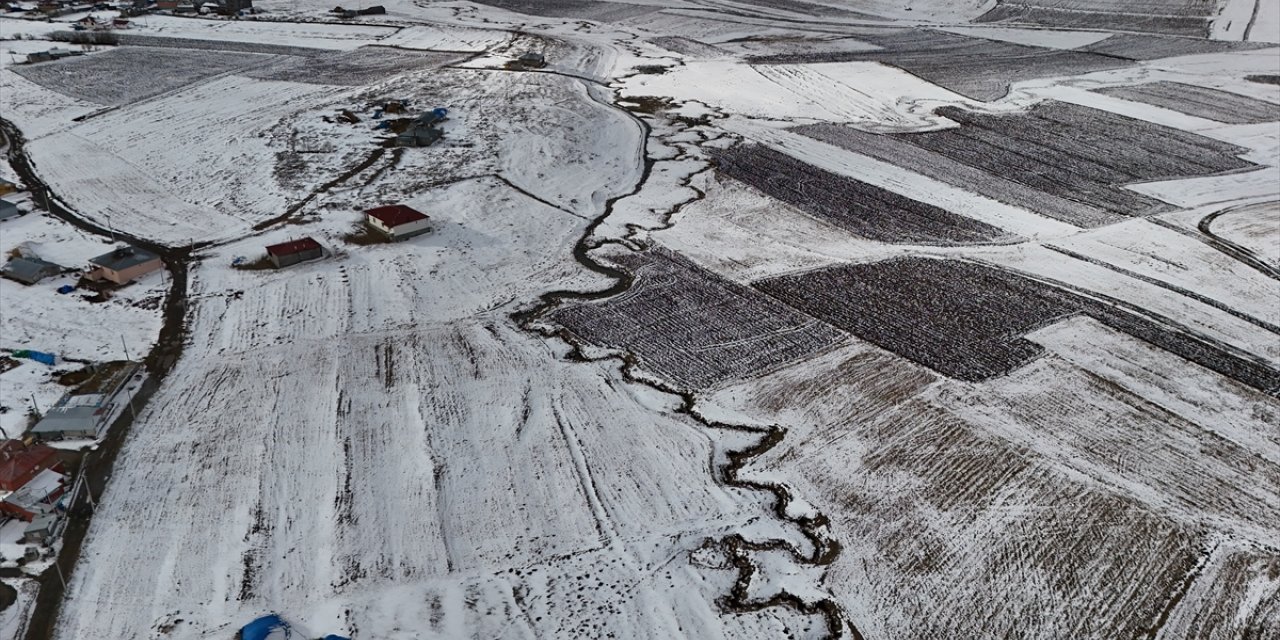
293	246
20	463
395	215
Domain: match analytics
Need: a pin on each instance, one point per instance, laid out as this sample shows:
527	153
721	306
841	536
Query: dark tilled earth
1202	102
694	327
966	320
127	74
1061	160
855	206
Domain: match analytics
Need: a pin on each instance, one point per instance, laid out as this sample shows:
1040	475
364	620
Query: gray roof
7	209
41	523
30	270
69	420
124	258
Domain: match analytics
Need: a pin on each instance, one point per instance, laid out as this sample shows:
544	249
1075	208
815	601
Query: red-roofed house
294	251
397	221
20	463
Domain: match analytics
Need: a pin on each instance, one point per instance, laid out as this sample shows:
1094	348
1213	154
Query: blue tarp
38	356
66	288
261	628
334	636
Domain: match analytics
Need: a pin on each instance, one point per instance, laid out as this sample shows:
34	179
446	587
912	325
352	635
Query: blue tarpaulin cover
261	628
334	636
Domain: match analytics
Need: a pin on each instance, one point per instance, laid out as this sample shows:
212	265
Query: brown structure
19	463
294	251
123	265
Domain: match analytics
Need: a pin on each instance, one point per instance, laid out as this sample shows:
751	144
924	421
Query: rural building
397	221
124	265
418	135
35	498
20	463
83	416
532	60
294	251
233	7
29	270
7	187
8	210
88	412
41	528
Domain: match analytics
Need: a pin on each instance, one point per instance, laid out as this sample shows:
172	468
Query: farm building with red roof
397	221
294	251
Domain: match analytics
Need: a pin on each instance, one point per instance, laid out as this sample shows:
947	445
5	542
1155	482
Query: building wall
132	273
411	229
295	258
377	224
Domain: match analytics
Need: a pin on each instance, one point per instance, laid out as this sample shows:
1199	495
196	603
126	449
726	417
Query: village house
397	221
20	463
29	270
123	265
88	413
7	187
294	251
35	498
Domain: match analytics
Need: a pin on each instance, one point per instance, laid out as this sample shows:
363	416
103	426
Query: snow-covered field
381	443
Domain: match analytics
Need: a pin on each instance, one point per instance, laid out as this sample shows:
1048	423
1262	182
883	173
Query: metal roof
123	258
395	215
17	460
293	246
30	270
81	413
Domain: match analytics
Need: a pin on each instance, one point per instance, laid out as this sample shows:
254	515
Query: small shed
8	210
123	265
532	60
398	221
41	528
294	251
29	271
7	187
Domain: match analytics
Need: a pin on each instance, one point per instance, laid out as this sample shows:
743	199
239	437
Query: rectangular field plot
967	321
580	9
351	68
1177	17
973	67
1061	160
942	168
860	208
1137	46
128	74
1202	102
693	327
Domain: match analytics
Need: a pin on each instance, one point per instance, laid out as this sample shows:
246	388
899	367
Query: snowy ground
370	444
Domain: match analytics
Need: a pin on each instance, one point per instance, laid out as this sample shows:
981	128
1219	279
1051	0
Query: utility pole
36	405
126	347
